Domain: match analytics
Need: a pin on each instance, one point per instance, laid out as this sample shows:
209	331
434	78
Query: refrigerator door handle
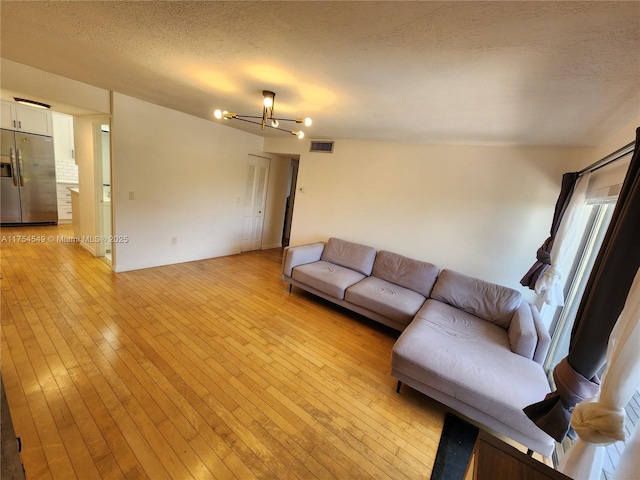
20	165
13	167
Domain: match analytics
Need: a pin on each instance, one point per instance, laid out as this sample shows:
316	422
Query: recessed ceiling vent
322	147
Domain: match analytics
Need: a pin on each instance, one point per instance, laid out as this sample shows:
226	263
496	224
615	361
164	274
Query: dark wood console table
10	462
492	459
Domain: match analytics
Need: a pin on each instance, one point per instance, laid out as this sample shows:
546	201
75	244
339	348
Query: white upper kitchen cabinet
7	115
23	118
63	137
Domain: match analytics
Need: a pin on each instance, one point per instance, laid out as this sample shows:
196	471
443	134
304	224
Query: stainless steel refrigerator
28	179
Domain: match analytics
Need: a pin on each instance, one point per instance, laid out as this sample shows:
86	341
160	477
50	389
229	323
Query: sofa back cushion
349	255
406	272
489	301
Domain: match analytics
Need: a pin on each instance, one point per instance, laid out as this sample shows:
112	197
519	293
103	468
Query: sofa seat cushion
386	299
409	273
469	359
327	277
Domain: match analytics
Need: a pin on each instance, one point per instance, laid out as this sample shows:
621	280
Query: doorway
291	197
104	248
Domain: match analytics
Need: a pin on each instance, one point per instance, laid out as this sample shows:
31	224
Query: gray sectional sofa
472	345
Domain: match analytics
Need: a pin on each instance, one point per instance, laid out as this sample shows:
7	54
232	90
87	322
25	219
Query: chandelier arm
274	118
237	117
248	116
281	129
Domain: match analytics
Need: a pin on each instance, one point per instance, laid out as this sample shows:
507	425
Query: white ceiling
521	73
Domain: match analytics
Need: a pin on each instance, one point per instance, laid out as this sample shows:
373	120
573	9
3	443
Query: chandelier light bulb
269	98
307	121
218	114
274	123
301	134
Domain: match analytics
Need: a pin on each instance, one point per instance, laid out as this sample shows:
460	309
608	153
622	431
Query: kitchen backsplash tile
66	170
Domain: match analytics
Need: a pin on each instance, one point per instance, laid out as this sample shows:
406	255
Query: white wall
63	94
616	140
188	176
483	211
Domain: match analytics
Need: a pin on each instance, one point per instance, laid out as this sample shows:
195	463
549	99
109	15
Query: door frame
98	160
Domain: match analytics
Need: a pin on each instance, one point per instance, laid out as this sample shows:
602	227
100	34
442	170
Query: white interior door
254	202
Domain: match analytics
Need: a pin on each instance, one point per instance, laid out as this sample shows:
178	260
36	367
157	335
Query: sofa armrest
299	255
544	339
523	335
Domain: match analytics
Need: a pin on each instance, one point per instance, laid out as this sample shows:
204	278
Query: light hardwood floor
208	369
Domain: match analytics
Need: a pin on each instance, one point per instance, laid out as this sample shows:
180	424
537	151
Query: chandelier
267	120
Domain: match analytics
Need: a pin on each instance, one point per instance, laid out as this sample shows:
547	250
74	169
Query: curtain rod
612	157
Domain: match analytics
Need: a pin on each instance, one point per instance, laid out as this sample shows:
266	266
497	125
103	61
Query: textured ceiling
524	73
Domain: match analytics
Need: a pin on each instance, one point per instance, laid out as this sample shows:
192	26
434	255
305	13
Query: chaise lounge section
472	345
478	348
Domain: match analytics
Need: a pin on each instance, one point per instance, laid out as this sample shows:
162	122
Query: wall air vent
322	147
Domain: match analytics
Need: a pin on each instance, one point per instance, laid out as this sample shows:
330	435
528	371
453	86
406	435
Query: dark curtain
602	302
544	252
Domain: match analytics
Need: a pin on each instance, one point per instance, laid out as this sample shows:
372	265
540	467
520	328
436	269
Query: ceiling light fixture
267	120
32	103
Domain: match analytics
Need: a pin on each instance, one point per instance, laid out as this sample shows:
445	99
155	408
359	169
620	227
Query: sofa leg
530	452
290	287
398	387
